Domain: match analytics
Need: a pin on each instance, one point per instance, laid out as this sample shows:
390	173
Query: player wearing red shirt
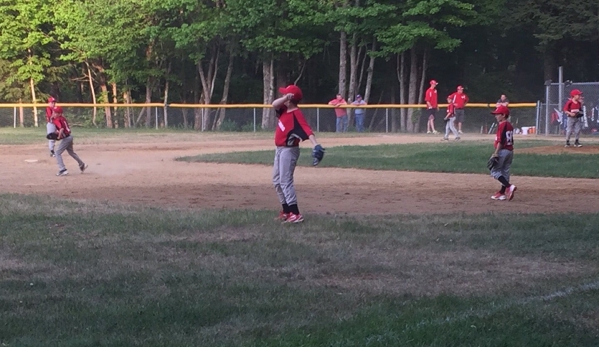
50	128
450	122
432	107
66	142
459	99
573	109
291	129
504	152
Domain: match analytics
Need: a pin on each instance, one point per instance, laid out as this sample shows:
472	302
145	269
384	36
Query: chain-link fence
551	115
383	118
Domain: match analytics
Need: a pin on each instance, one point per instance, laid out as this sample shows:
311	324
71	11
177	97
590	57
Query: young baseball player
573	109
450	121
291	129
50	128
504	152
66	142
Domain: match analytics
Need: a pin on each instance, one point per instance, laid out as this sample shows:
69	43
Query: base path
145	172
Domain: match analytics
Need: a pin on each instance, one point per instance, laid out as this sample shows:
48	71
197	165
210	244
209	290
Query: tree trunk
223	100
185	113
421	89
115	101
394	112
197	122
33	97
368	87
166	88
268	92
93	92
128	118
342	63
401	78
549	64
149	100
208	81
353	73
412	92
21	114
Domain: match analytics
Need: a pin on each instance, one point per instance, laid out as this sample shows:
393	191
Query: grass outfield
94	274
464	157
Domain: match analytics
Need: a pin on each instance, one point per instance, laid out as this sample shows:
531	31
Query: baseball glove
52	136
317	155
579	114
492	162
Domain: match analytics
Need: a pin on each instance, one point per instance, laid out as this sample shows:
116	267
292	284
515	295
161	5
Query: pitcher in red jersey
504	152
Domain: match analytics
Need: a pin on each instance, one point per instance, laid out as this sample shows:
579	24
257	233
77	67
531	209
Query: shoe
510	192
577	144
457	138
498	196
62	173
294	218
435	132
445	139
282	216
460	132
567	144
429	132
52	155
83	167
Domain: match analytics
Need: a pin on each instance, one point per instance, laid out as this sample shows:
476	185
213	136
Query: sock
503	181
286	208
502	190
294	209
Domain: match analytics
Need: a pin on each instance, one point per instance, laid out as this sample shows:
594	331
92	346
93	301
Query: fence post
156	115
538	118
386	120
547	117
254	119
318	119
14	115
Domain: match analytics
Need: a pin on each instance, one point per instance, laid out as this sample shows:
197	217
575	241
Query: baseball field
168	239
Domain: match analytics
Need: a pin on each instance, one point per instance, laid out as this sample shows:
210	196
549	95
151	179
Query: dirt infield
143	171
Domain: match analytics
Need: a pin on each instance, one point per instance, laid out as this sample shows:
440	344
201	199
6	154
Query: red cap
51	99
57	110
460	87
434	82
501	110
575	92
293	89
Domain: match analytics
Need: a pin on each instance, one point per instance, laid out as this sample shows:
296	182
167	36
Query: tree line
240	51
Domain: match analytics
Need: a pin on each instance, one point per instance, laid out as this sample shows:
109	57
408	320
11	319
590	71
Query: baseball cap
460	87
575	92
358	96
57	109
51	99
293	89
501	110
434	82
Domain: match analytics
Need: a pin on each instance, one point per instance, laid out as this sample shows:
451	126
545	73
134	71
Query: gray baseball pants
574	125
450	126
282	174
50	128
503	165
66	144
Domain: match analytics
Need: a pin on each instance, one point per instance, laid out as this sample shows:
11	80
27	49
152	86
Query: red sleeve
302	123
568	106
428	95
48	114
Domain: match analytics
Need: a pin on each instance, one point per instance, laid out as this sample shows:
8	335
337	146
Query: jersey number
509	138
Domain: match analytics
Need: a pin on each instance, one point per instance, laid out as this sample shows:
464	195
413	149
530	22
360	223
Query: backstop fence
551	119
378	118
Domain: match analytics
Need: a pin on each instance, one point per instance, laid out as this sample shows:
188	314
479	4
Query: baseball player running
573	109
291	129
63	133
503	154
50	127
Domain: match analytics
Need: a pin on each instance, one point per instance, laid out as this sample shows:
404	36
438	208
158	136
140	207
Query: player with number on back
501	160
291	129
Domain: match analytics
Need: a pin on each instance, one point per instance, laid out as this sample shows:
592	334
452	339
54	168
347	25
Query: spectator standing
341	113
359	113
432	107
50	127
459	99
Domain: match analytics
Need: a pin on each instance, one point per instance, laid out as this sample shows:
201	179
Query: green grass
464	157
95	274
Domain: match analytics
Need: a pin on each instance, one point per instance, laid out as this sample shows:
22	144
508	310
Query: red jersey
573	106
61	123
450	110
505	136
459	99
292	128
48	114
339	111
431	97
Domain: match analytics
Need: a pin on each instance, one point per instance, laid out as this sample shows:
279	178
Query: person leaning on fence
359	113
573	109
503	101
341	113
